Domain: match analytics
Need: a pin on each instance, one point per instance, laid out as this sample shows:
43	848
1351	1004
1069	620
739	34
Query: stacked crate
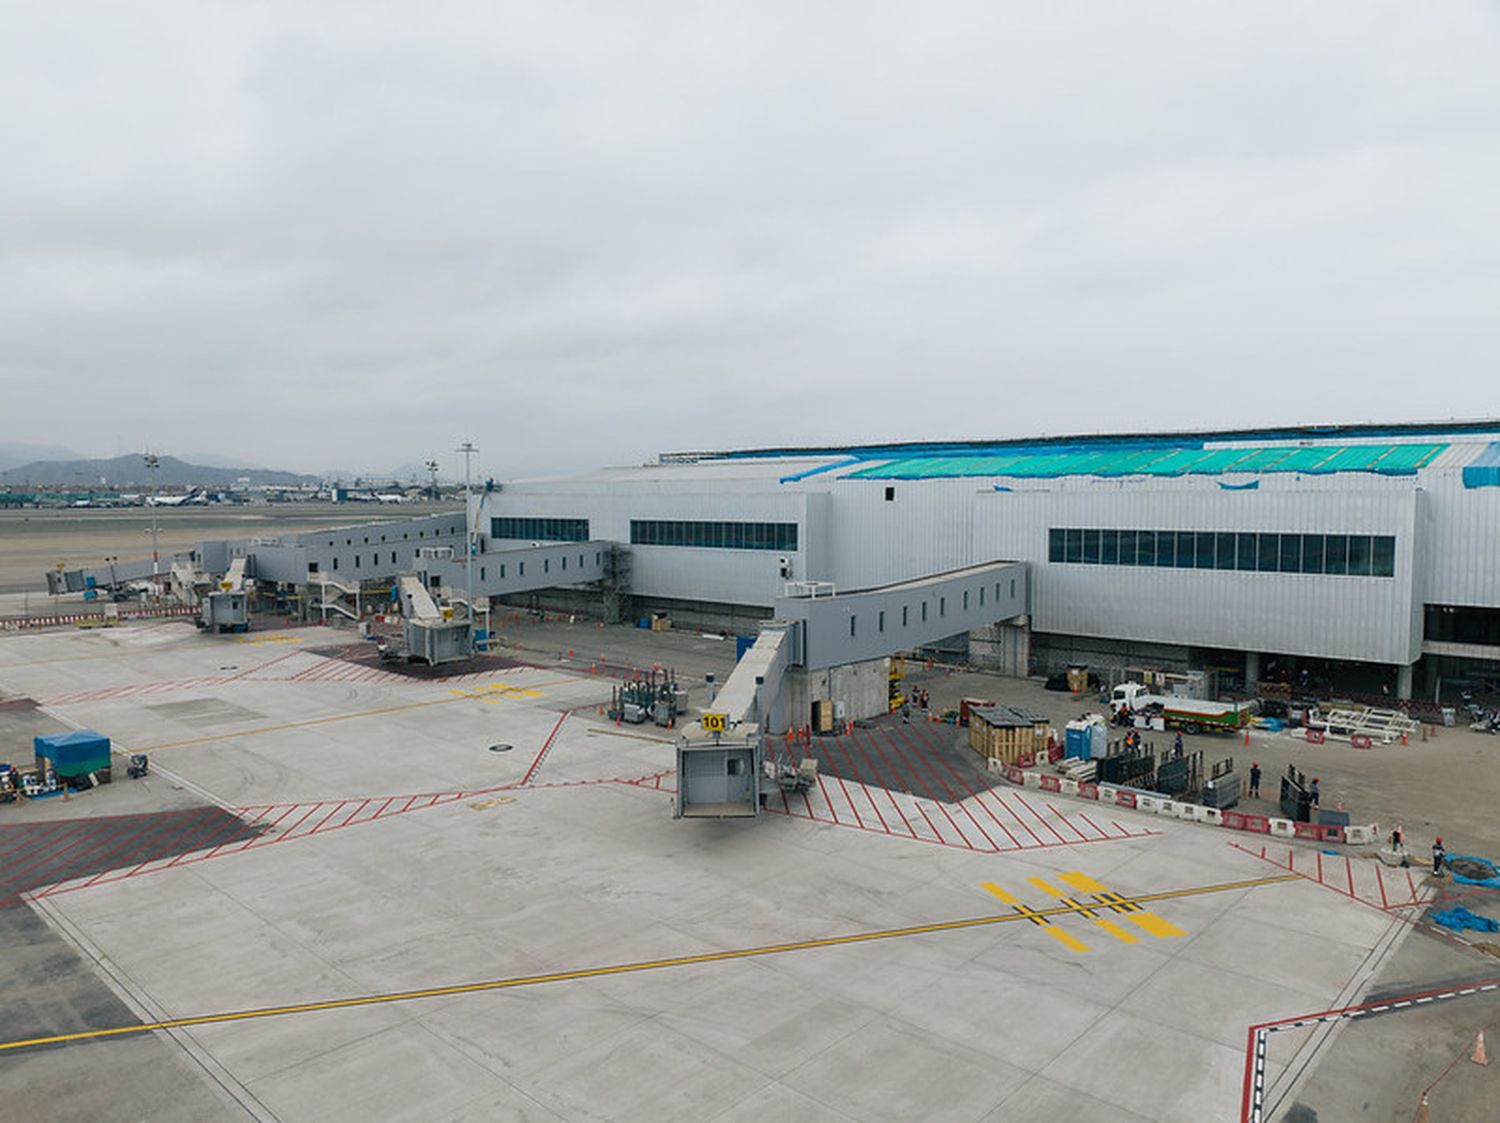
1007	733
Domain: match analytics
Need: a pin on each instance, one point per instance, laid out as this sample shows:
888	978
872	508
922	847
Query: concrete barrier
1124	799
1258	823
1283	828
1211	815
1031	780
1050	783
1088	791
1149	803
1067	787
1319	833
1362	836
1234	820
1013	774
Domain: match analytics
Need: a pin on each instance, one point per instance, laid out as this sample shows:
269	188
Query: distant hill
130	472
15	453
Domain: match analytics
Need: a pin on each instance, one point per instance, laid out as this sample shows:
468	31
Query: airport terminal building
1364	554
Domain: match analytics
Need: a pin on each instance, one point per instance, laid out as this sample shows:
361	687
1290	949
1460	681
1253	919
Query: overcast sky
314	235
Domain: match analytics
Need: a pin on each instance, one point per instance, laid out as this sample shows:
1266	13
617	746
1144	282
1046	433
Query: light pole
432	470
468	449
152	463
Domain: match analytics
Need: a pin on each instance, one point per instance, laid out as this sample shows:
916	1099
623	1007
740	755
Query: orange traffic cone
1479	1058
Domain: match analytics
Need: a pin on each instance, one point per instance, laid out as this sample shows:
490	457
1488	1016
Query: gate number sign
714	723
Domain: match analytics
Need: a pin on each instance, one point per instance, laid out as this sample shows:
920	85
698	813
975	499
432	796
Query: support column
1403	681
1252	669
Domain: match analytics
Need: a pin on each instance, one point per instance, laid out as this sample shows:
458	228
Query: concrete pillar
1004	647
1252	669
1403	681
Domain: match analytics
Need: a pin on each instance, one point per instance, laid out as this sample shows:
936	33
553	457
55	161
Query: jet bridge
429	635
227	607
720	761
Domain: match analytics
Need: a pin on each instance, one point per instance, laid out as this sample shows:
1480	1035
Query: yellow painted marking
496	692
1047	888
1067	939
1082	881
1154	924
613	969
991	887
1116	931
493	801
274	637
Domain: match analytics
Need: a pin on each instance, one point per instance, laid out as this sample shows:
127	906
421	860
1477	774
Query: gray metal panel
1460	529
748	577
855	627
506	572
1365	618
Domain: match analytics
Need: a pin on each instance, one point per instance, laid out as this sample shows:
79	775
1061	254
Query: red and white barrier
1190	812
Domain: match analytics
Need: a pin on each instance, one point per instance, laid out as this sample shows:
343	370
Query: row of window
405	535
1355	555
714	535
546	565
312	567
942	608
541	530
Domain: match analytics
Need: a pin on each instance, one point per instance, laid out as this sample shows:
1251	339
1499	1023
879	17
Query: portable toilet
1098	740
1078	742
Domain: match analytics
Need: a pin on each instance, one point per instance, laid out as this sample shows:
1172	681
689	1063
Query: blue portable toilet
1077	740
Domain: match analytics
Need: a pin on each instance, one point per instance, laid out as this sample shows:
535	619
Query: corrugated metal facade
851	533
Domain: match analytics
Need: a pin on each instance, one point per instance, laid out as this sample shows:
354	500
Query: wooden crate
1007	743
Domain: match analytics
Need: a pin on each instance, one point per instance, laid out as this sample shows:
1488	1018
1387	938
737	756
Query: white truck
1191	715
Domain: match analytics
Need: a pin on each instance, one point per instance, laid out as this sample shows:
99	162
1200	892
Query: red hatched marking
1363	881
844	797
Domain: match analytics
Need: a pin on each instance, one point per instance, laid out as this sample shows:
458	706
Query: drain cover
501	748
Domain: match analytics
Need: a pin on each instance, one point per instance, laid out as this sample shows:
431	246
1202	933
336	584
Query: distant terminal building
1367	556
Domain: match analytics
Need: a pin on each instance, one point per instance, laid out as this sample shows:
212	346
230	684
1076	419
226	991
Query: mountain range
130	471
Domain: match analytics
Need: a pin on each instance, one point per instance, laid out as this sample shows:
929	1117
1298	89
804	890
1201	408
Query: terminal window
1339	555
540	529
713	535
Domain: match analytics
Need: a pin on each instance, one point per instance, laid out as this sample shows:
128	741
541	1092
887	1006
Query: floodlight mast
152	463
468	450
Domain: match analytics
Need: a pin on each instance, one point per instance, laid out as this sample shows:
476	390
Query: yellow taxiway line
378	711
622	968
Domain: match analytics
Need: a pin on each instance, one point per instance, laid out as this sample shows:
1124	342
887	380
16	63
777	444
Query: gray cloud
355	233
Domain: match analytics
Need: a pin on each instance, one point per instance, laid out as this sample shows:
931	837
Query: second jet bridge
817	629
835	628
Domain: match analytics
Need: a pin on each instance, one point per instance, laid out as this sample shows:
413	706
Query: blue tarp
1493	881
74	753
1484	469
1458	918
